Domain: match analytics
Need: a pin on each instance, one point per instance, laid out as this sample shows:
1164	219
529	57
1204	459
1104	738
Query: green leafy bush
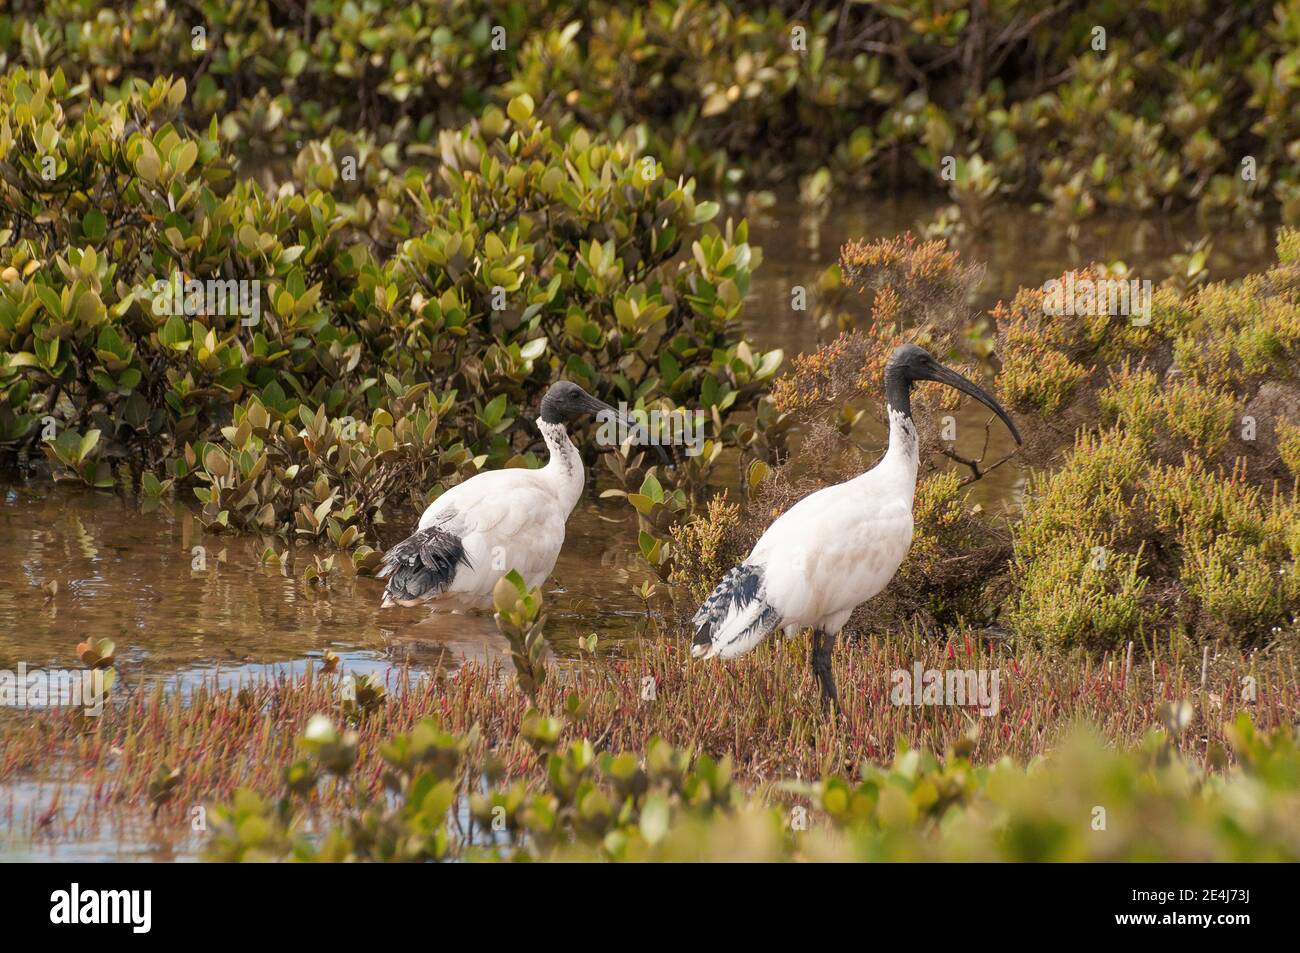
389	331
1079	106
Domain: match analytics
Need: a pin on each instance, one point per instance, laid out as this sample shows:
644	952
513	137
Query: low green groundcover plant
1084	801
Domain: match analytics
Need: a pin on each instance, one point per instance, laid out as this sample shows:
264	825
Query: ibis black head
911	363
566	402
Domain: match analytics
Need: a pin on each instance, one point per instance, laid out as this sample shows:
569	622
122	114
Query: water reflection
138	579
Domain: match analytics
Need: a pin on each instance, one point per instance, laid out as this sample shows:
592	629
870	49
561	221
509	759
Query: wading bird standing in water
497	521
835	548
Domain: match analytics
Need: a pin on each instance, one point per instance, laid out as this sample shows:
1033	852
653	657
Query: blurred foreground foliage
552	793
1084	801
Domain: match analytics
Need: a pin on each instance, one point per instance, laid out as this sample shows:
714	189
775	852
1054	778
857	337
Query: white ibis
835	548
497	521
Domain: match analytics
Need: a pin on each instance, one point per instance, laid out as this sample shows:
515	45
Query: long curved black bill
604	411
945	375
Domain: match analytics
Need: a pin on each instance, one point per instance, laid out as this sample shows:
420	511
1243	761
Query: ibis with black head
836	548
496	521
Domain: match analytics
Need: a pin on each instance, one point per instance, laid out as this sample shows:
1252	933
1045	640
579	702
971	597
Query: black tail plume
422	566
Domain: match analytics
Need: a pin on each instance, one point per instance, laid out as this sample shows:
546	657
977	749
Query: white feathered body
826	555
504	520
854	536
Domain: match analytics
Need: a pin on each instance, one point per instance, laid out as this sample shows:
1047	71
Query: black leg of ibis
822	644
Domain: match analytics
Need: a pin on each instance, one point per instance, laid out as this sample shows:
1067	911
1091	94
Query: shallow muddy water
129	573
134	575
